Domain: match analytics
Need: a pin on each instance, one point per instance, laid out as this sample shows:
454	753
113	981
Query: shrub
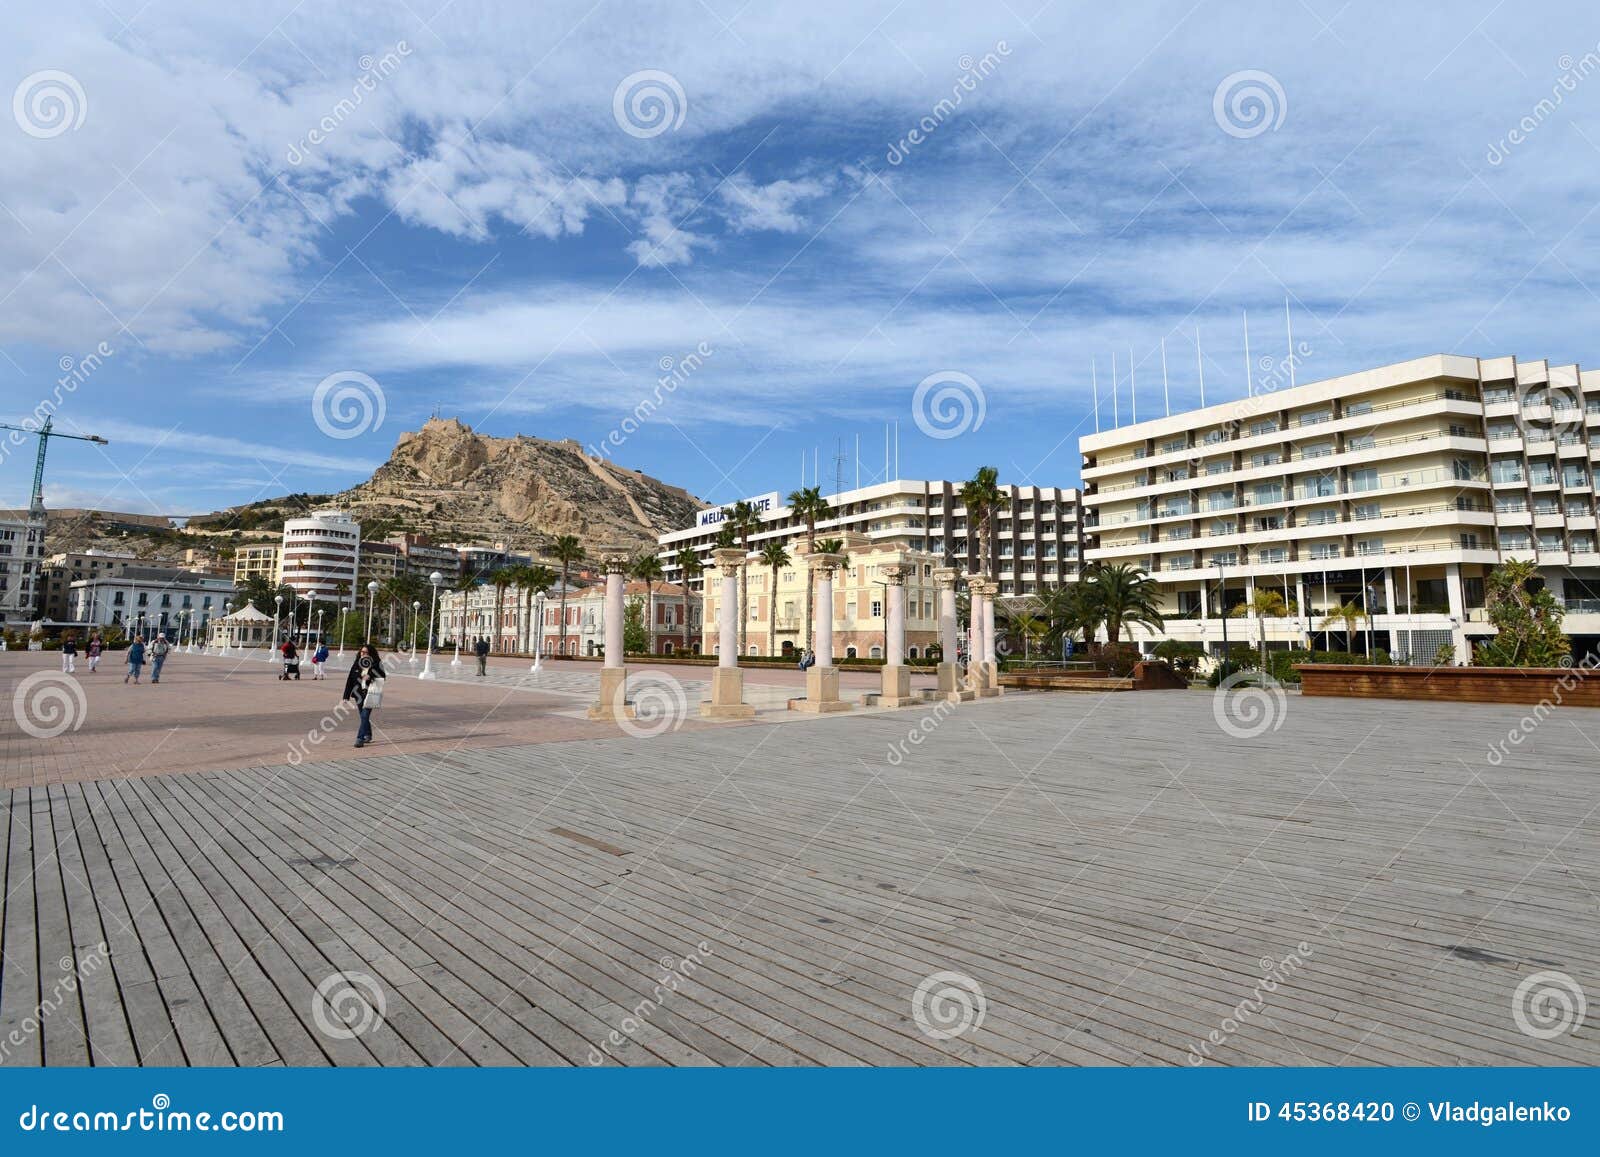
1116	660
1180	656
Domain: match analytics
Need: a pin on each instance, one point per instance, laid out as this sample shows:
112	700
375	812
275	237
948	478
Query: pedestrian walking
135	659
291	661
69	654
319	660
95	647
481	649
364	687
158	656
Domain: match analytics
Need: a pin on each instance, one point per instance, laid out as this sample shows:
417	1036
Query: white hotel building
1397	489
321	554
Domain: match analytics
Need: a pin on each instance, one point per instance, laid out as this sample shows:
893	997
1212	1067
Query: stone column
977	593
1458	614
896	675
727	681
822	680
949	637
613	702
991	664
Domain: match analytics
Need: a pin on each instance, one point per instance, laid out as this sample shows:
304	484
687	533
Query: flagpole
1288	325
1200	361
1116	419
1094	384
1166	396
1249	382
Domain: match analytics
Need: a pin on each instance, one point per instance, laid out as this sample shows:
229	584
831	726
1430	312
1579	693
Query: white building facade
321	554
142	600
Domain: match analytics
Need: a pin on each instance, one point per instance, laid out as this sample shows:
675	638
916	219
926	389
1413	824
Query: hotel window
1322	517
877	609
1364	479
1215	436
1266	458
1269	426
1268	492
1574	476
1515	540
1550	540
1316	450
1273	554
1315	418
1225	558
1583	543
1365	511
1222	526
1360	442
1269	522
1325	550
1175	445
1219	466
1369	546
1355	409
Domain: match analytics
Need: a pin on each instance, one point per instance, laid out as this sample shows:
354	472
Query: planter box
1566	686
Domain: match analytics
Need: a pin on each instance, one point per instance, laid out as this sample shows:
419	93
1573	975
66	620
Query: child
95	647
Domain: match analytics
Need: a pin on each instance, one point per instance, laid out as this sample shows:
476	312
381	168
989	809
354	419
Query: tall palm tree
566	550
1124	595
501	579
647	569
534	580
1347	614
744	519
1068	609
775	555
981	497
808	505
1266	605
690	567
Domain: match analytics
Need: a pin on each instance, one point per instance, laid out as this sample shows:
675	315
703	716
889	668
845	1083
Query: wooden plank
19	948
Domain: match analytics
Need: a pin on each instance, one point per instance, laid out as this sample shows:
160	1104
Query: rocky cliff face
453	484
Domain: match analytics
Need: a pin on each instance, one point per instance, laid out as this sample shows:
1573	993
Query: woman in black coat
366	670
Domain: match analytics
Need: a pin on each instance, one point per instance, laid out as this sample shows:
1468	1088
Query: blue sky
495	229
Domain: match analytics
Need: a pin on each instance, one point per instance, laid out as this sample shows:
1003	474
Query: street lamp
433	606
459	626
372	601
538	627
1222	597
416	611
277	613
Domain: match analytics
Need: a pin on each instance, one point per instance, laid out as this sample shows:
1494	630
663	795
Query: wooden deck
1115	872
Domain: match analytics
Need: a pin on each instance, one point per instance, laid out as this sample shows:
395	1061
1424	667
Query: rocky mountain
456	485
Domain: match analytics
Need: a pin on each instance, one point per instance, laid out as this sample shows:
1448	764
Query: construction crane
44	433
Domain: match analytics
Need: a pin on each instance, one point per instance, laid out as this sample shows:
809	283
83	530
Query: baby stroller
291	663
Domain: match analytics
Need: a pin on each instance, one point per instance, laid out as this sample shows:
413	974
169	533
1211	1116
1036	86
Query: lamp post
372	601
277	613
319	626
538	631
1222	600
416	613
433	606
459	626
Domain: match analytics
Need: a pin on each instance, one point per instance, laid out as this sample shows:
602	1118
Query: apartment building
21	553
321	554
1396	489
421	556
262	558
1036	539
61	570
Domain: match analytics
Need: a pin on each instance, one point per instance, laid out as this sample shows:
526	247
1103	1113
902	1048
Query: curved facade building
322	554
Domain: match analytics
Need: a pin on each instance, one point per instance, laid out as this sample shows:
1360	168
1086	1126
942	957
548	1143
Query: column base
727	696
822	692
897	687
613	702
984	680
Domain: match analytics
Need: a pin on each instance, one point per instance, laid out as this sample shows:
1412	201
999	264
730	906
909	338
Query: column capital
726	558
981	586
825	562
945	577
898	572
616	560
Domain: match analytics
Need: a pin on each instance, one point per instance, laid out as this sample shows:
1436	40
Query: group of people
154	652
291	661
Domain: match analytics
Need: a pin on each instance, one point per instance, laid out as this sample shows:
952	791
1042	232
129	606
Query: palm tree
1266	605
743	518
1123	595
501	579
566	550
808	505
981	497
1068	609
775	555
534	580
647	569
690	566
1349	614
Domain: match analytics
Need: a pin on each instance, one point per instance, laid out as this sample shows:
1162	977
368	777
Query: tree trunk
772	616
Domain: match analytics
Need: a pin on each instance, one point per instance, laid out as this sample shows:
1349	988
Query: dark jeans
483	664
155	668
364	732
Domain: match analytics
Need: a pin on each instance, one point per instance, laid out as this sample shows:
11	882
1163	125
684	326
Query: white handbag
374	696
